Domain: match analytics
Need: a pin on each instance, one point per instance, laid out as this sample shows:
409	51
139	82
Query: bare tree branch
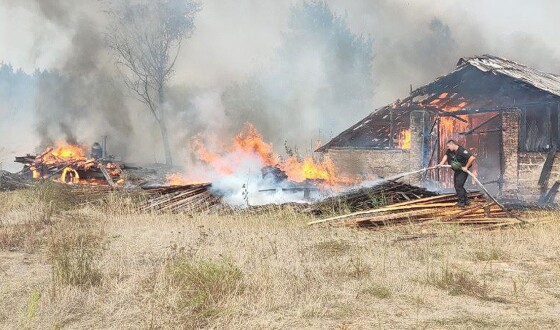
146	39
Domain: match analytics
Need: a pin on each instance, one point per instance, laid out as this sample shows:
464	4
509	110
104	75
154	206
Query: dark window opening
536	132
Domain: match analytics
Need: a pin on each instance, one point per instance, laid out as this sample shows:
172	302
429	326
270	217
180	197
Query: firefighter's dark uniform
460	177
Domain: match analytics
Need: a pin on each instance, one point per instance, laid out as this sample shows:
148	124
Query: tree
145	37
320	70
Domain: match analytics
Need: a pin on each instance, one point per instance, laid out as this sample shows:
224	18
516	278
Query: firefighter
461	161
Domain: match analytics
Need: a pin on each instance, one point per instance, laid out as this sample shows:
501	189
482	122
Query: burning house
506	113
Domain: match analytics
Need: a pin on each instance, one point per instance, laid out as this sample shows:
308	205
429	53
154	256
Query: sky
233	37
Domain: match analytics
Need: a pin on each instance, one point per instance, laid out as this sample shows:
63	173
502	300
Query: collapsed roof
481	82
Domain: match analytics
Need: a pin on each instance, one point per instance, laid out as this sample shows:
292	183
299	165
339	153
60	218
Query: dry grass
102	265
74	247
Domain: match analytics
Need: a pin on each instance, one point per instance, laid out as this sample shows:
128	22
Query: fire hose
475	179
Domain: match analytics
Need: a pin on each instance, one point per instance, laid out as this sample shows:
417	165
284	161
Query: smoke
81	99
417	41
235	69
413	43
76	98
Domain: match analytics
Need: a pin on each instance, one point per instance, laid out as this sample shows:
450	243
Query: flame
449	127
70	173
249	144
404	139
69	152
213	159
251	141
63	152
36	173
178	179
299	171
73	158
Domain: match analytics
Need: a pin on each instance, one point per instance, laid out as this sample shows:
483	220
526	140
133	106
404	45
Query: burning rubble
245	171
249	173
69	163
249	164
246	168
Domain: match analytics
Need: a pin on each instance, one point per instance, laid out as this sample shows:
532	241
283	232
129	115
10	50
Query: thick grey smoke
236	45
414	43
80	101
76	100
417	41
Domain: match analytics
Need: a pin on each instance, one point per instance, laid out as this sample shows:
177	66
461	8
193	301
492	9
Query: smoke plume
236	69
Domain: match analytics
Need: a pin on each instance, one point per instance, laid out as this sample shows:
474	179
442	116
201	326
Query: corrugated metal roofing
545	81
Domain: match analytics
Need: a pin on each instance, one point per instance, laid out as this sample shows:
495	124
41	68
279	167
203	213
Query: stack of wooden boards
440	209
386	193
11	181
181	199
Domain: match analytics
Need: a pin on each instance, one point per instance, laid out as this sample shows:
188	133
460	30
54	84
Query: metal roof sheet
545	81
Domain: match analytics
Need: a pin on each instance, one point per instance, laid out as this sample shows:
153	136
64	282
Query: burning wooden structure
507	114
69	164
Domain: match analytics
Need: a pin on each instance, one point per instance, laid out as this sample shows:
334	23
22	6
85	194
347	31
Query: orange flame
308	169
69	152
211	158
70	175
250	143
74	158
178	179
404	139
449	128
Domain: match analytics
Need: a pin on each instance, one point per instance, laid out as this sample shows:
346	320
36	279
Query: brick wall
510	148
356	163
359	163
530	167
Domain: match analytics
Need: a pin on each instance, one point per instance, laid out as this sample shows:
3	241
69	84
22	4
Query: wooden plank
469	210
107	176
422	202
164	200
396	216
550	196
547	168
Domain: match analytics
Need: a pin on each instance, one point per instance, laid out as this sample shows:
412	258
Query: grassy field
104	266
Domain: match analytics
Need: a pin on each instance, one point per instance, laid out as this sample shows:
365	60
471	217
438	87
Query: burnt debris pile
192	198
390	192
434	210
